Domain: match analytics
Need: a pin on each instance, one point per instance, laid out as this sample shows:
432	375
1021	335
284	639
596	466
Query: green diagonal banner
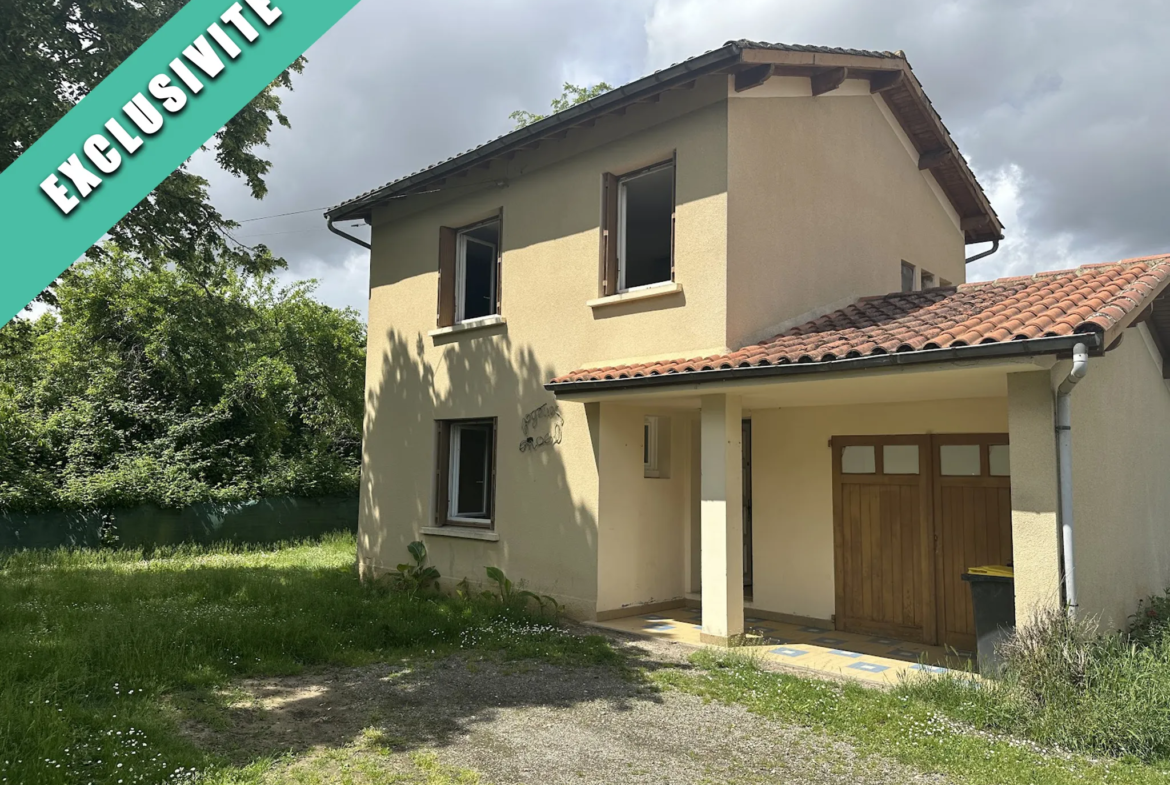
140	124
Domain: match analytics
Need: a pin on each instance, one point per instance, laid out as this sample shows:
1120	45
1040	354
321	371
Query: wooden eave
890	77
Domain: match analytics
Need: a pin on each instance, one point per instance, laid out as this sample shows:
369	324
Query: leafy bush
414	578
150	384
510	595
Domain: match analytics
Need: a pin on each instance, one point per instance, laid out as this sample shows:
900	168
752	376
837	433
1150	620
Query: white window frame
650	466
461	240
621	247
453	478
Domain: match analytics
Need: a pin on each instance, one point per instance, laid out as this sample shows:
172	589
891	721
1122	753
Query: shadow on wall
547	538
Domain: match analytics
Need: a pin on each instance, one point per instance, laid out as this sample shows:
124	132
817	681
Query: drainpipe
349	237
1064	471
978	256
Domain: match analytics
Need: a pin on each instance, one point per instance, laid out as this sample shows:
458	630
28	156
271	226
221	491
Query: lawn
112	665
104	653
917	726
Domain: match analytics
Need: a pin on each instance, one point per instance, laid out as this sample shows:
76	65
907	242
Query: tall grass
99	648
1065	685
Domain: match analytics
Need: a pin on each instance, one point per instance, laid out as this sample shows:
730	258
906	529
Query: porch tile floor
865	658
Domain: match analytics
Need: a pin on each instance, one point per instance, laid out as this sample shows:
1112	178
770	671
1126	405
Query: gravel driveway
528	723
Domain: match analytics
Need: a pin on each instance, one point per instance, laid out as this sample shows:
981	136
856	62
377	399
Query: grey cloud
1060	106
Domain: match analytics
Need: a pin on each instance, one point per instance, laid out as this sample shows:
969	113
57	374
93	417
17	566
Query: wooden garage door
911	514
883	560
973	523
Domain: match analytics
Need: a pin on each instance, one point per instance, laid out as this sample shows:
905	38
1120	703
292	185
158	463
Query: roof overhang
752	64
1058	346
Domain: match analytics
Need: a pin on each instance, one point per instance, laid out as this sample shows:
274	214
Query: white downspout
1064	471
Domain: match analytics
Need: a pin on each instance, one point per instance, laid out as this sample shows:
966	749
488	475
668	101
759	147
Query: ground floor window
465	472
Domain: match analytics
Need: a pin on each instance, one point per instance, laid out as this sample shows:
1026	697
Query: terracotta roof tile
1093	298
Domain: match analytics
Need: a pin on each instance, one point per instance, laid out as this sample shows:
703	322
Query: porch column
722	518
1035	536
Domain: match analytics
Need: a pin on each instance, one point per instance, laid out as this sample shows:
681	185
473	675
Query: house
645	352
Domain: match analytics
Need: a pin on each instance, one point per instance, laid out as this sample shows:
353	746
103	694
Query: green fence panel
257	522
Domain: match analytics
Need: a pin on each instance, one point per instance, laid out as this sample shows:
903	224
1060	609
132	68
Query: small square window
477	252
959	460
999	456
928	280
859	459
907	277
466	472
900	459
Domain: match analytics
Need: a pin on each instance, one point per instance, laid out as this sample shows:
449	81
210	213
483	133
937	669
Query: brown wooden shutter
495	457
609	232
442	470
447	245
673	204
500	265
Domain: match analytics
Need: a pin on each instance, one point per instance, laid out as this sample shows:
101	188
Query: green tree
154	384
572	95
52	53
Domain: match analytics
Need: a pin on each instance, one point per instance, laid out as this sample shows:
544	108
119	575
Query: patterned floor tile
828	641
885	641
842	653
814	629
869	667
658	627
935	669
786	651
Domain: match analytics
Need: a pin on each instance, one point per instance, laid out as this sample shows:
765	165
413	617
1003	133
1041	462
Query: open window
637	237
469	272
928	280
465	471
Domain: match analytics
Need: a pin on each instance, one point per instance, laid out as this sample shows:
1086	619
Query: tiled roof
744	43
1093	298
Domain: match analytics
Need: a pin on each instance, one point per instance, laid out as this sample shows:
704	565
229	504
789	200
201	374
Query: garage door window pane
858	459
999	456
900	459
959	460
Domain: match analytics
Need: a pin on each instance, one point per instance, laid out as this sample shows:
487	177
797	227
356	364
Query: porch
829	519
819	650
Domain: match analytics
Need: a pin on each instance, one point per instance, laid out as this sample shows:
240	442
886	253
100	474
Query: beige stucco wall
825	200
792	510
643	522
785	205
1121	451
547	501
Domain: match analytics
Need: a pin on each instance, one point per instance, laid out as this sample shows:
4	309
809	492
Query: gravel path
532	723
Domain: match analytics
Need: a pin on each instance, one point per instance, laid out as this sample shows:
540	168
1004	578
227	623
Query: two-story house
707	337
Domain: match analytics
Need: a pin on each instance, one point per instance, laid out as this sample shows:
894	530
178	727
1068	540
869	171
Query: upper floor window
928	280
469	272
637	244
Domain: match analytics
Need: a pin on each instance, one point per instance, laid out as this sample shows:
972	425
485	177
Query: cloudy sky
1061	106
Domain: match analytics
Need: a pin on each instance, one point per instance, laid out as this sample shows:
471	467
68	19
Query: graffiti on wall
542	428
